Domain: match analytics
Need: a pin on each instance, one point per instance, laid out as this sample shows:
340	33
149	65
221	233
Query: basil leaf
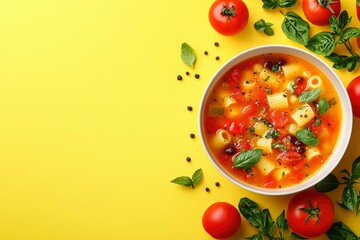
352	62
334	24
287	3
268	222
338	60
310	96
328	184
257	236
339	230
278	145
261	25
247	159
323	106
350	33
344	20
307	137
355	170
322	43
250	211
295	236
281	221
269	31
272	133
184	181
349	197
196	176
296	28
187	54
270	4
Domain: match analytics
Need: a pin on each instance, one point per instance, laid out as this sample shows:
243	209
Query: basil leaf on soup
247	159
307	137
187	54
322	106
296	28
310	96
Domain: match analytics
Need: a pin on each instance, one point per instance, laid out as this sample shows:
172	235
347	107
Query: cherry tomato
221	220
228	17
310	213
318	12
353	90
279	118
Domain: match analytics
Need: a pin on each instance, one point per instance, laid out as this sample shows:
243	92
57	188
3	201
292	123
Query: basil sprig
322	106
187	54
307	137
350	199
187	181
272	4
261	25
247	159
262	220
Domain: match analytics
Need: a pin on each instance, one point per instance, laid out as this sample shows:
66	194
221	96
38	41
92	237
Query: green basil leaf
350	33
307	137
269	31
295	236
339	230
352	62
268	222
322	43
344	19
281	221
250	211
323	106
349	197
272	133
358	206
270	4
328	184
196	177
278	145
187	54
286	3
310	96
247	159
334	24
260	25
296	28
355	169
257	236
338	60
184	181
358	3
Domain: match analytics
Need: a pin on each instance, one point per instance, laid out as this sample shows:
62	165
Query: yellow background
94	123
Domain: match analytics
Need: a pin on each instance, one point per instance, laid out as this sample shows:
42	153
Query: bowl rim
345	130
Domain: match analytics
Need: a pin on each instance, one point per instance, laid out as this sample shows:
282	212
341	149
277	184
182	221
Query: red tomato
236	127
221	220
228	17
318	12
310	213
353	90
289	157
279	118
358	9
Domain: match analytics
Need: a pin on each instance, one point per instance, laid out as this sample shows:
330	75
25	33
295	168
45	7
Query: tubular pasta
260	128
265	166
278	100
281	172
293	70
314	82
221	139
265	144
311	153
303	115
247	85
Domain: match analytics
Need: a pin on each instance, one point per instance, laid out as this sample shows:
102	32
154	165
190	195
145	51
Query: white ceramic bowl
346	125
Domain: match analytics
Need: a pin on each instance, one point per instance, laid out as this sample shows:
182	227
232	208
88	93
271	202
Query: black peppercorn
207	189
187	73
216	44
197	76
179	77
192	135
217	58
188	159
189	108
206	52
217	184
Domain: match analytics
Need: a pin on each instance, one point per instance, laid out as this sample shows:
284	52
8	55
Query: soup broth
272	120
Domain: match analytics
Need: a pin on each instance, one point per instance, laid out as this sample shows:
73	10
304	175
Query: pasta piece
306	74
280	173
265	144
303	115
221	139
265	166
311	153
258	68
314	82
227	101
278	100
248	85
293	70
293	128
234	110
271	78
260	128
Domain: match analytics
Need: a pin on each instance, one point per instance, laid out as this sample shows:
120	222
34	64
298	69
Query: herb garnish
350	199
296	28
272	4
310	96
187	181
322	106
307	137
261	25
247	159
188	54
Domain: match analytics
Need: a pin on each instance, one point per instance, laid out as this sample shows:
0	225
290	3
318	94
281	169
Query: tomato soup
272	120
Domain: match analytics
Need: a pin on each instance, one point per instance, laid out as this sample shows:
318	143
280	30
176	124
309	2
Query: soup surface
272	120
